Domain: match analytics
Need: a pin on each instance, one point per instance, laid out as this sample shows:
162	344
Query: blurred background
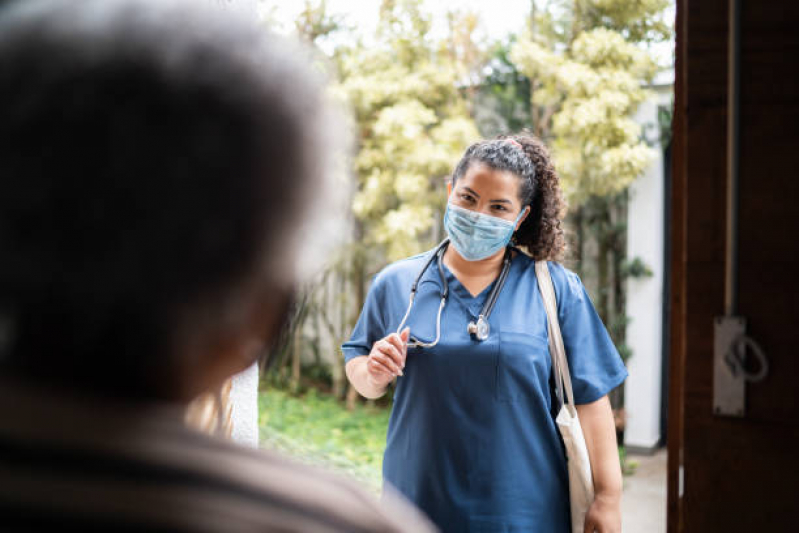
424	79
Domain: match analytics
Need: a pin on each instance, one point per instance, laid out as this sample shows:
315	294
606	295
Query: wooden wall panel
739	474
676	265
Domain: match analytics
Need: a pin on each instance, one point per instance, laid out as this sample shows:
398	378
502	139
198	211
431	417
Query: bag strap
560	365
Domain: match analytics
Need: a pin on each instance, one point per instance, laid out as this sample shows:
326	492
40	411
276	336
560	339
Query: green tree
412	124
588	82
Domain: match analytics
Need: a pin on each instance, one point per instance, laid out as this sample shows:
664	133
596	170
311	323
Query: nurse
471	438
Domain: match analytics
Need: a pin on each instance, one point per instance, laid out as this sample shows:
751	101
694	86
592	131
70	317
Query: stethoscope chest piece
479	330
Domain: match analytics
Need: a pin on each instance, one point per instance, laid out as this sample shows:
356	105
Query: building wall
244	399
645	236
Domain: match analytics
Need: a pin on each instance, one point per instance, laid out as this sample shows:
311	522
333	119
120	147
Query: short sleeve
594	362
370	327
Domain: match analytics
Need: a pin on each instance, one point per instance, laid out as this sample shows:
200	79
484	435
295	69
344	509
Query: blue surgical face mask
475	235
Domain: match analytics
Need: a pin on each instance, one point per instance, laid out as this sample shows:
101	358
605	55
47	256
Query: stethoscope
479	329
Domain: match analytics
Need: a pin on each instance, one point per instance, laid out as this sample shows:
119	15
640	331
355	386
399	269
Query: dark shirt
90	464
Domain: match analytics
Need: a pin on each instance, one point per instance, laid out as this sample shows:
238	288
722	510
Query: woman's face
490	192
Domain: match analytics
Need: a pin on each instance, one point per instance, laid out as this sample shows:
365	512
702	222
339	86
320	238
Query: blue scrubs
472	439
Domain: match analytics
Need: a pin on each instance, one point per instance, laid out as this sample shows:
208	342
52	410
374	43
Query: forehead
485	179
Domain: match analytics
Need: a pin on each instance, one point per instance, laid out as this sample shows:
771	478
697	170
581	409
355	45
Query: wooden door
735	474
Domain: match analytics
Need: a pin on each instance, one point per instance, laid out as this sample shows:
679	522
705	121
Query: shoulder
185	480
564	277
568	285
276	492
316	497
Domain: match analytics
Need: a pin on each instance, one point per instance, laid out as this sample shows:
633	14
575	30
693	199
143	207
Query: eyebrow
500	200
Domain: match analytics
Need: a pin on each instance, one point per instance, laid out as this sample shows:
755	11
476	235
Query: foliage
315	23
628	466
502	103
635	268
592	79
635	20
665	115
413	125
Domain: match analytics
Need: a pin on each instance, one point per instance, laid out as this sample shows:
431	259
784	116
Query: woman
471	439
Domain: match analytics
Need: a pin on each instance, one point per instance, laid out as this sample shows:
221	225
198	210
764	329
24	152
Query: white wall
244	398
642	393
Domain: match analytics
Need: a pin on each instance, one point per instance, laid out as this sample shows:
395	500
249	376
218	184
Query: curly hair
541	233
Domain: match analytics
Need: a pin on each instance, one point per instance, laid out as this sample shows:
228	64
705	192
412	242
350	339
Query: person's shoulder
567	283
194	482
557	271
307	497
562	273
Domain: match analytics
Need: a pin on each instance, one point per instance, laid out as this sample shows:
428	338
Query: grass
316	428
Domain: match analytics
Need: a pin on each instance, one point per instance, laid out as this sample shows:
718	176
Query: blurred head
157	163
512	177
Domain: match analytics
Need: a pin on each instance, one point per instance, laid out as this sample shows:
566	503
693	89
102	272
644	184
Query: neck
489	266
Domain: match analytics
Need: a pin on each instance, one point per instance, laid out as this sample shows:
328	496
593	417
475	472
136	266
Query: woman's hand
387	359
604	515
596	419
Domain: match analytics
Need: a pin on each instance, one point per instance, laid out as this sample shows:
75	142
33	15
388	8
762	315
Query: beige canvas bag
581	484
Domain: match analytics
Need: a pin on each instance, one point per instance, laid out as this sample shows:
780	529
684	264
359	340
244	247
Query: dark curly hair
541	233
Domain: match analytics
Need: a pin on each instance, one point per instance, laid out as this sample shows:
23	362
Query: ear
523	216
449	188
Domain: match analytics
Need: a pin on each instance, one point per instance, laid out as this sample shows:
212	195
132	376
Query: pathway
643	506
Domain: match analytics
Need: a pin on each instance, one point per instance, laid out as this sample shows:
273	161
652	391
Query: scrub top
472	439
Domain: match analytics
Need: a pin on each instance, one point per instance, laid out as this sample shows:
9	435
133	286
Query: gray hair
159	159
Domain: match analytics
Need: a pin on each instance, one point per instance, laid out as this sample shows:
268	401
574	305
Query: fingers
394	354
386	364
378	370
388	356
402	347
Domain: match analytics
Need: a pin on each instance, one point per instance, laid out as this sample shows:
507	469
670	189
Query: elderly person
157	164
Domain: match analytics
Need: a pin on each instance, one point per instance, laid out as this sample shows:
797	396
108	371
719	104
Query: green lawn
316	428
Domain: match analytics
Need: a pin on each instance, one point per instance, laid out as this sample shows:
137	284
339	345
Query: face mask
475	235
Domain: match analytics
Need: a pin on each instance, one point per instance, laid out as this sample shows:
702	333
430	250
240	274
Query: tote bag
581	484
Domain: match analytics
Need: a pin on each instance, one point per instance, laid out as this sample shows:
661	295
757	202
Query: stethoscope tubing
488	307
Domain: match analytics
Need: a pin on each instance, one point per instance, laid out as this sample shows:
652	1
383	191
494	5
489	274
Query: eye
466	197
499	207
